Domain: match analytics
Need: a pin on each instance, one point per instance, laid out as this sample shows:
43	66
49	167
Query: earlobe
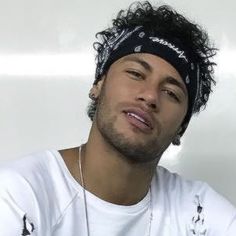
92	95
176	141
99	85
96	89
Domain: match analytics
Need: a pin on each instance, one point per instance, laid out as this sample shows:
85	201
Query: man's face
142	102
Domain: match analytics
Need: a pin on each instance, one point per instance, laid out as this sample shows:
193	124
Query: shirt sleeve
15	206
13	220
232	227
221	214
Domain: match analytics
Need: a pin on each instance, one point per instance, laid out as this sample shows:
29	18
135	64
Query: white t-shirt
38	196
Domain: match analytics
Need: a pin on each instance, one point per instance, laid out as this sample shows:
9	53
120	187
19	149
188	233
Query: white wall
47	67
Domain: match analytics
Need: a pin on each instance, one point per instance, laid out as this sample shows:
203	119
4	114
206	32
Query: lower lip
138	124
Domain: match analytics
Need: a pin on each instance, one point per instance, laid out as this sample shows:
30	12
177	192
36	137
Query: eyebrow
140	61
175	82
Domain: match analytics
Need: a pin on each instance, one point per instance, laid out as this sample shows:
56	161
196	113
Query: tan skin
130	82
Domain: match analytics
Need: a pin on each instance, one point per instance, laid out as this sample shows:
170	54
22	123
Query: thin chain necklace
85	200
83	186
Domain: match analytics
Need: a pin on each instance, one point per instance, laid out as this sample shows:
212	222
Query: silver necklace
85	200
84	194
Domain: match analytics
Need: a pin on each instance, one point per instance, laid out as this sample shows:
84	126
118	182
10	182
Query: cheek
108	100
173	117
119	91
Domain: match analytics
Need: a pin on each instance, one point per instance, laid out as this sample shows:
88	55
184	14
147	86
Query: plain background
47	67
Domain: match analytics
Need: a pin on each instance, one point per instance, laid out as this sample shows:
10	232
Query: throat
110	178
115	181
118	194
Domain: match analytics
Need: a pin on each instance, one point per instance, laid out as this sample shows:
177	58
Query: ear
96	89
176	140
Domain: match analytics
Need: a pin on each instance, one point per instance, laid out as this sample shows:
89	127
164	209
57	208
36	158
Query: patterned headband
137	40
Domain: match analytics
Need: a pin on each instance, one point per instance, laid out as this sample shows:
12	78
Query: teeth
137	117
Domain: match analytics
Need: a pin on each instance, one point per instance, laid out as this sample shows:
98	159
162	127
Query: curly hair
169	24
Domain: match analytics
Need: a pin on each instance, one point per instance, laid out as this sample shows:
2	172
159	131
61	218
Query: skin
120	159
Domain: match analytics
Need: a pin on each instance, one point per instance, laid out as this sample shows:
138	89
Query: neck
109	175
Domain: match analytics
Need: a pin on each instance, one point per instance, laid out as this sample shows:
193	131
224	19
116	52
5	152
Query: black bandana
136	40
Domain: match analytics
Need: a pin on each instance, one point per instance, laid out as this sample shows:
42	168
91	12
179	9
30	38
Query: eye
135	74
171	94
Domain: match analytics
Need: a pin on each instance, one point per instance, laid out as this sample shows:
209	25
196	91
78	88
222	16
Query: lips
140	118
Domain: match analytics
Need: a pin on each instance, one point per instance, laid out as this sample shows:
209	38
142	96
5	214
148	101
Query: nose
149	96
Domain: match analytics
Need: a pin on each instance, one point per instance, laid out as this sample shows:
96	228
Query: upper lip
146	116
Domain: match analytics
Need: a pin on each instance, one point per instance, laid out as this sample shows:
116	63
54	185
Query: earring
176	140
92	96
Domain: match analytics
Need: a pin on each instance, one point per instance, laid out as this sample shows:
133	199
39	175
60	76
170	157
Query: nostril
153	106
150	104
141	99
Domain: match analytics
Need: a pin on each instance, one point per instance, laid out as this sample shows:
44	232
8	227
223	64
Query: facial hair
134	152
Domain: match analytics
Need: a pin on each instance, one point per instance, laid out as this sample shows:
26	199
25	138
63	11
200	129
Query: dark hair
170	25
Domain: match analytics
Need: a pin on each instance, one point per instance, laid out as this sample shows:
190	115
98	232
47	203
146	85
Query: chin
134	151
133	145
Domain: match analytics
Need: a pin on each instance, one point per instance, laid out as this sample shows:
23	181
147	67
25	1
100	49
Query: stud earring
92	96
176	140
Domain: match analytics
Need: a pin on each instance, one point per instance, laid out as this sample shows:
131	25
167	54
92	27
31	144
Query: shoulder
25	170
22	192
174	182
26	177
196	202
42	174
37	186
27	184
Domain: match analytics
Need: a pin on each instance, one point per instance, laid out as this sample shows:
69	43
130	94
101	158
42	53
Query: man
154	70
